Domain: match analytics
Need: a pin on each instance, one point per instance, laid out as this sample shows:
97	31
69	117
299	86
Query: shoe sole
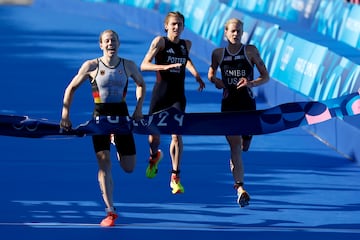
107	225
176	189
179	191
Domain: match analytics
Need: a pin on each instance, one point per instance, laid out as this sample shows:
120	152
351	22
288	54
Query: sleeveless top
233	68
172	53
110	83
170	84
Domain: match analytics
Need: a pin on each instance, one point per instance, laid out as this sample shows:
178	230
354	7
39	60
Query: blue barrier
350	30
336	19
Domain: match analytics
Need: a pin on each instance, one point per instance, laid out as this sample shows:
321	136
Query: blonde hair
235	21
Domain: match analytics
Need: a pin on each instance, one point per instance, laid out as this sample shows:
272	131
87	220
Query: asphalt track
300	188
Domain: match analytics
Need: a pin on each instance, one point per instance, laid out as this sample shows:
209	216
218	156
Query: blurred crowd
353	1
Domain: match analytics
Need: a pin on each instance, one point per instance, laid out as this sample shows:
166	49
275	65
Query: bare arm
254	56
215	62
156	45
82	75
134	73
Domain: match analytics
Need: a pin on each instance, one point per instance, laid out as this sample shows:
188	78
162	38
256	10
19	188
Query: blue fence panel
292	61
268	39
258	6
196	14
350	30
329	17
214	28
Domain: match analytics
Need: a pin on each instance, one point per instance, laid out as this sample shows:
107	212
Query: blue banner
172	121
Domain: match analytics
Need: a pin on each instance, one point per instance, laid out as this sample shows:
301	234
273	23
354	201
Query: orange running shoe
109	221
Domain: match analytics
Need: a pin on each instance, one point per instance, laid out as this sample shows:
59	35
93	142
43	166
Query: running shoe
109	221
243	198
176	185
152	168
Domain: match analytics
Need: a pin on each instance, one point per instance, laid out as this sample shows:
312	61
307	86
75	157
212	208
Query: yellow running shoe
152	168
176	185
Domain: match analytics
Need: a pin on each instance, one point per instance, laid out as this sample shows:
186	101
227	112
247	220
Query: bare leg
236	162
176	150
155	156
127	162
154	142
237	169
105	178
